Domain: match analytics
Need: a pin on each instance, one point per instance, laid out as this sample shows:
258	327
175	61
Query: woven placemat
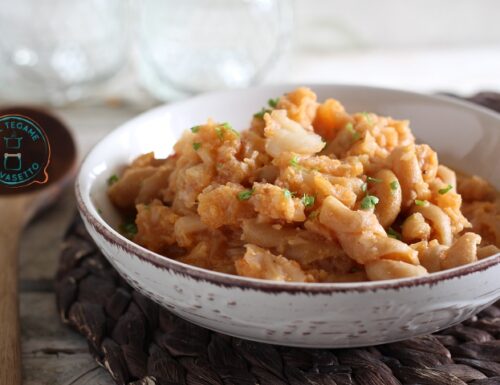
140	343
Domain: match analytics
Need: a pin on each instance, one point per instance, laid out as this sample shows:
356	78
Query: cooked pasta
308	193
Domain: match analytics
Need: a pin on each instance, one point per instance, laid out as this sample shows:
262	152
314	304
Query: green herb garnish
355	135
374	180
273	103
220	132
367	117
245	194
128	229
227	126
195	129
288	194
196	146
418	202
369	202
112	179
261	113
364	186
443	191
294	162
394	185
308	200
391	233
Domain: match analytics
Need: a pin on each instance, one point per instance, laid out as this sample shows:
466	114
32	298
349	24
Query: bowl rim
91	216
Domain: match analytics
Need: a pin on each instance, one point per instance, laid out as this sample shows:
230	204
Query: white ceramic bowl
310	315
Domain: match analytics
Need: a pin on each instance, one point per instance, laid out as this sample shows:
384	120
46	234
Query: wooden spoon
17	207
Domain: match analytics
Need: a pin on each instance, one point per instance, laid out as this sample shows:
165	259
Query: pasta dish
308	193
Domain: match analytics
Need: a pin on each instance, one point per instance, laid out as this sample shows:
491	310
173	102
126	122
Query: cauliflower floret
261	263
222	205
300	105
155	226
330	118
277	203
286	135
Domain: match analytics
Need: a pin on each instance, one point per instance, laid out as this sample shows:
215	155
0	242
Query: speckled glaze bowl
467	137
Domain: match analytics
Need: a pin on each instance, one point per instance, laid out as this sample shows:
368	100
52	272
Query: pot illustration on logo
25	150
12	162
13	143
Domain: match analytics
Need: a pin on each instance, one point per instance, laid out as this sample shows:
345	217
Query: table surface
53	354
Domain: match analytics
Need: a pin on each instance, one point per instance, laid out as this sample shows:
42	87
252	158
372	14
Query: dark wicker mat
140	343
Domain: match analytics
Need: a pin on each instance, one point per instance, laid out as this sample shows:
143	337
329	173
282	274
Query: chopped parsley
418	202
273	103
369	202
391	233
196	146
367	116
227	126
308	200
394	185
443	191
364	186
128	229
112	179
354	134
220	132
245	194
288	194
195	129
261	113
294	162
374	180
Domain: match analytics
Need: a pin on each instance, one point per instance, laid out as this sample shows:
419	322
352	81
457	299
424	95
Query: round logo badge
24	152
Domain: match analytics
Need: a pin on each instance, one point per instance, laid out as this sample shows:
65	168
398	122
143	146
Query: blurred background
62	52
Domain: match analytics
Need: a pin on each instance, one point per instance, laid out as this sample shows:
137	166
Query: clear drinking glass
190	46
58	50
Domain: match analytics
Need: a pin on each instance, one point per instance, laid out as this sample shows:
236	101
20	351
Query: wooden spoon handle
10	347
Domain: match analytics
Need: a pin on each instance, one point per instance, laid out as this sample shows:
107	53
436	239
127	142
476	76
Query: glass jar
56	51
190	46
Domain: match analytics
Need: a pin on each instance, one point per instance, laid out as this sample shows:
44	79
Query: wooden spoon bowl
17	207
